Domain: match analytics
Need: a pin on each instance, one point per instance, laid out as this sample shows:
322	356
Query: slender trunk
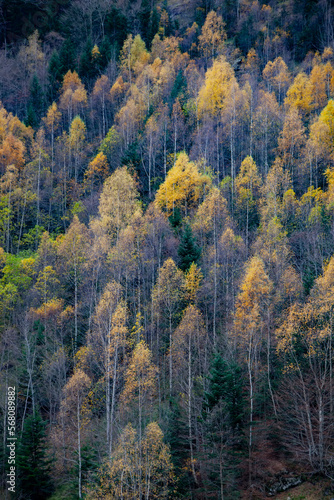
189	412
170	356
75	309
79	447
113	400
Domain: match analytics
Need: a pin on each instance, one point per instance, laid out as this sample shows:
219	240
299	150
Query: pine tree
188	250
33	464
225	384
67	57
55	75
36	103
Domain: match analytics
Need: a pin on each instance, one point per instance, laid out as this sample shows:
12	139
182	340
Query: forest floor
308	491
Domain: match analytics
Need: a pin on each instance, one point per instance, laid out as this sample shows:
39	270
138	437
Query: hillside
166	249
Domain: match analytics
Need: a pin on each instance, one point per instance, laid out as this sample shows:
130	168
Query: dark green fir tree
67	57
55	75
36	103
33	464
188	250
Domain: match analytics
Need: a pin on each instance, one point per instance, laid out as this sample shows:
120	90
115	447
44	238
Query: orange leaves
97	171
12	153
73	93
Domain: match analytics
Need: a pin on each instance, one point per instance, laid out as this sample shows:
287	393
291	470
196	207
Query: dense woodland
167	246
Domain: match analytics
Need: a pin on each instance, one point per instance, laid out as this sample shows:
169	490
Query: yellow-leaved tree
118	202
140	386
167	297
137	468
183	188
251	316
216	91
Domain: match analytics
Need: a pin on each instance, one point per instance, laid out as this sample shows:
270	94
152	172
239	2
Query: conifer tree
33	465
188	250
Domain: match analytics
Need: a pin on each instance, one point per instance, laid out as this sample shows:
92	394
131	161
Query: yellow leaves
322	131
213	35
299	94
74	245
183	187
46	282
218	87
73	93
277	75
248	176
77	133
76	391
52	118
51	309
188	336
169	288
253	300
97	171
193	280
134	55
12	152
211	212
107	305
118	201
140	377
95	53
139	463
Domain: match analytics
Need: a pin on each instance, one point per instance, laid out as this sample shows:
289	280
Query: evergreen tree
67	57
225	384
33	464
86	65
55	75
105	51
179	446
188	250
36	103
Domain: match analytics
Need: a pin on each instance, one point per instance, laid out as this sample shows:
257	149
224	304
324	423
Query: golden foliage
216	92
183	187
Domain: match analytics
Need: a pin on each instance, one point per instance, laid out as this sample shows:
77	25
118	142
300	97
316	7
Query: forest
166	249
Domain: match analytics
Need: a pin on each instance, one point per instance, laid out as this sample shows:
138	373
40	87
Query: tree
73	250
299	94
188	251
140	385
291	143
134	55
167	297
216	91
213	36
183	187
76	142
73	96
247	184
33	463
138	468
189	360
75	410
277	75
251	312
101	95
107	338
97	172
118	202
